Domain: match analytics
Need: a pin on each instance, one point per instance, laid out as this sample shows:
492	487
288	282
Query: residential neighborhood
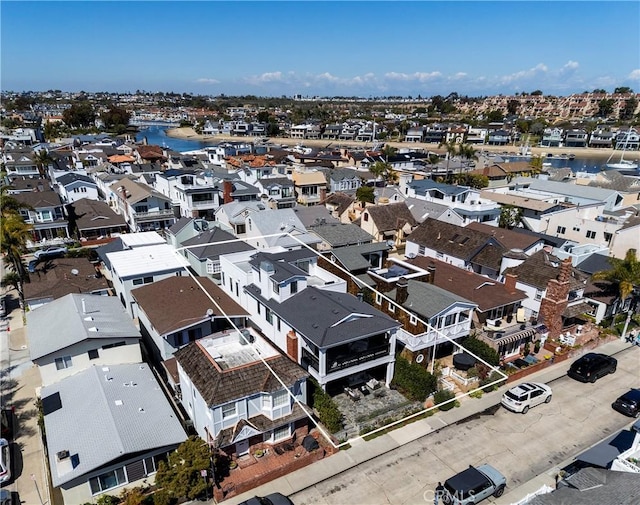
258	308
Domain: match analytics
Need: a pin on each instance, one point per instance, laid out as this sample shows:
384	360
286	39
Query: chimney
63	463
510	282
432	272
84	306
401	290
323	195
227	189
292	345
556	300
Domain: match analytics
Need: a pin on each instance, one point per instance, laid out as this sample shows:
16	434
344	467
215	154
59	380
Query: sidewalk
20	380
362	451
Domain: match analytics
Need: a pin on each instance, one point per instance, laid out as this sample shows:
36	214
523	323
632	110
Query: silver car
524	396
5	461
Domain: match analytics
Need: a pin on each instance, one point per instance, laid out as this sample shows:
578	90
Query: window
64	362
259	307
116	344
108	480
93	354
561	230
228	410
439	255
378	299
281	398
278	323
366	216
463	316
413	319
281	432
591	234
607	237
276	288
421	250
450	319
538	294
392	308
144	280
294	287
269	315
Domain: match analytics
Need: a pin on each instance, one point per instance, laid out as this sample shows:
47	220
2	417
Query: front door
242	447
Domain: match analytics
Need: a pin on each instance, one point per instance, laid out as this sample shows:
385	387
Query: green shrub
327	410
482	350
476	394
492	378
442	396
413	381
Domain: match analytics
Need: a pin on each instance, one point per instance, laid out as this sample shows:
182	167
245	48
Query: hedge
413	381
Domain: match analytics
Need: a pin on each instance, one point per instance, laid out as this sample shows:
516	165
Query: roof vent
88	318
62	455
118	402
141	410
93	328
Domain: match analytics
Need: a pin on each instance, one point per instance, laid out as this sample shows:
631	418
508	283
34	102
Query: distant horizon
361	49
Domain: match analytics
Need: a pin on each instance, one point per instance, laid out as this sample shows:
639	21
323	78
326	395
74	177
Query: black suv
592	366
628	403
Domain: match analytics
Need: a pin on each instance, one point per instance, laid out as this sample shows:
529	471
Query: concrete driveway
522	447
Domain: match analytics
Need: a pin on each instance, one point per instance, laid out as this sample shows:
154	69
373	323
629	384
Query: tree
365	194
14	234
630	106
180	475
379	169
495	116
599	91
263	116
79	115
512	107
510	216
605	107
115	116
623	90
537	92
536	163
451	148
43	159
625	274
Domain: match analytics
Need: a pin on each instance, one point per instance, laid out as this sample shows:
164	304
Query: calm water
156	135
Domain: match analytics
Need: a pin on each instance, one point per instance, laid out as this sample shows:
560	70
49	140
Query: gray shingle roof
211	247
97	428
428	300
352	258
341	234
63	322
329	318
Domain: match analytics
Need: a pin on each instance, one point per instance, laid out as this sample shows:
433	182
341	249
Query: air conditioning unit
494	322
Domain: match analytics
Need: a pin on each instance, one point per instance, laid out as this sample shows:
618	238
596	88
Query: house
184	229
93	219
277	192
310	186
236	403
534	212
120	410
576	137
500	174
392	222
57	277
142	265
304	310
178	310
422	209
77	331
280	227
204	250
334	235
19	162
143	207
233	216
73	186
343	180
44	211
431	317
339	205
499	138
552	137
352	263
464	201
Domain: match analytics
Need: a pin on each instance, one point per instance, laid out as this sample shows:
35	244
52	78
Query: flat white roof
145	260
142	238
230	350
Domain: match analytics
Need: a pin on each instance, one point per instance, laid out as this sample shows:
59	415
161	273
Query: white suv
529	394
5	461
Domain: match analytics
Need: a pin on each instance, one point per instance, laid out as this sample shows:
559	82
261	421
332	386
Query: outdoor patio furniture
373	384
463	361
352	394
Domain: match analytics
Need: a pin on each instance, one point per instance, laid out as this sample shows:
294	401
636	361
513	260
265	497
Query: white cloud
634	75
570	65
267	77
205	80
459	75
416	76
536	71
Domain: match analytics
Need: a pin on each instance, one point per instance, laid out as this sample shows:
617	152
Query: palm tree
452	149
14	234
466	152
43	159
379	169
624	274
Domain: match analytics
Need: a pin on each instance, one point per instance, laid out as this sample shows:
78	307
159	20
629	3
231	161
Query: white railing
448	385
543	490
623	465
464	380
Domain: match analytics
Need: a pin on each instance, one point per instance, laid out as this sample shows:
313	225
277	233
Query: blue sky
360	48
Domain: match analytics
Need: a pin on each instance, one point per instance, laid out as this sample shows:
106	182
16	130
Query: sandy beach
190	134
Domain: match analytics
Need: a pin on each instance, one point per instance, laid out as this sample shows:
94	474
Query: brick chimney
432	272
556	300
401	290
227	189
510	282
292	345
323	195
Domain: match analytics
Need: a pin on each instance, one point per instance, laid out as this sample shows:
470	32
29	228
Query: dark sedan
629	403
270	499
592	366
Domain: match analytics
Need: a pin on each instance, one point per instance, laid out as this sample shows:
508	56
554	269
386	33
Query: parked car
629	403
50	252
592	366
5	461
270	499
473	485
524	396
5	497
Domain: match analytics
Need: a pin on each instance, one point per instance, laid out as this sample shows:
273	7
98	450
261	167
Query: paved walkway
362	451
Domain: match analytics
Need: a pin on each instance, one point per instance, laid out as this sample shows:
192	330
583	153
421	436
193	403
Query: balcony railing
158	214
353	359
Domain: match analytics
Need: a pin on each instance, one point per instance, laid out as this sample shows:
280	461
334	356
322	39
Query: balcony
433	336
154	215
343	361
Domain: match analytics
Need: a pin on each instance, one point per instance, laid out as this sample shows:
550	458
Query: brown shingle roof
488	294
53	279
511	239
176	302
391	217
93	214
218	387
448	238
39	199
540	268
